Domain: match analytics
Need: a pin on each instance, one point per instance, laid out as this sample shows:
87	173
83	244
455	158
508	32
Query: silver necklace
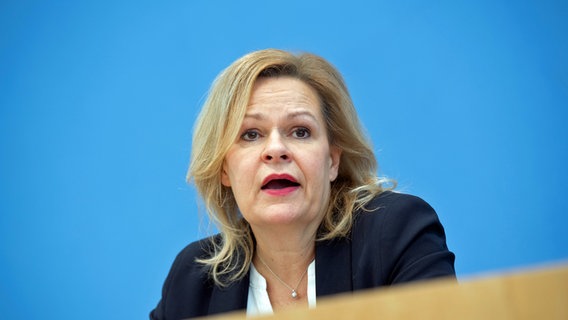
294	292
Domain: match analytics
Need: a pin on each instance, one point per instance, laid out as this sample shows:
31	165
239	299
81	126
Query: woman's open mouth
280	184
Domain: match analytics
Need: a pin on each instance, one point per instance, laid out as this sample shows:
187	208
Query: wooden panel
534	294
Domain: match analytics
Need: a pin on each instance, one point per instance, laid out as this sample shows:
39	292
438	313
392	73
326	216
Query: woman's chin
284	218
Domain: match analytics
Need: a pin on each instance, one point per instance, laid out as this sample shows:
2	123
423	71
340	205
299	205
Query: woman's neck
286	254
284	265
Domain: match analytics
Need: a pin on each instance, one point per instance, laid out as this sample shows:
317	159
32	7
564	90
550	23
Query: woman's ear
335	158
225	177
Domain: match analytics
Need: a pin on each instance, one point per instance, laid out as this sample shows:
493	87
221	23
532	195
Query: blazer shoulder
394	207
402	234
391	200
199	249
187	280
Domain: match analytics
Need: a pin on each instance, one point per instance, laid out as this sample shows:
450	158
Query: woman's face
281	166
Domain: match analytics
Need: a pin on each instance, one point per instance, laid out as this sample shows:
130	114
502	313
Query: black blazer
399	240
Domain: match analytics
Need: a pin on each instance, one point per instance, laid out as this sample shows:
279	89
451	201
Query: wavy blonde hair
217	128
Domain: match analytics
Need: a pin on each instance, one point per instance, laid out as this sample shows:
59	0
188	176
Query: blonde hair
218	125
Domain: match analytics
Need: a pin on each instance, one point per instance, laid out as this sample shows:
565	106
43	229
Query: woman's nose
275	148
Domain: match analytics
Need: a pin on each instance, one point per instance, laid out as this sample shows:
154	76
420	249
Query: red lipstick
279	184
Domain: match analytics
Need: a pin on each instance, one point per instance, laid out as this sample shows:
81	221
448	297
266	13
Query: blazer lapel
333	267
231	298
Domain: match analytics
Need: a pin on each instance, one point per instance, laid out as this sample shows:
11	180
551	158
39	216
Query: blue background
465	102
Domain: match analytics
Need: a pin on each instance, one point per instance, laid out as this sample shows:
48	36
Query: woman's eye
301	133
250	135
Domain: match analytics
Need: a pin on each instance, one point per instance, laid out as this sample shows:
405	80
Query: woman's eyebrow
255	115
291	115
301	113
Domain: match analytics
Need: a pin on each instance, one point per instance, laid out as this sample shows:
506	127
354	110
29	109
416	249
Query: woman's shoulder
392	201
187	280
399	198
394	208
186	265
199	249
403	235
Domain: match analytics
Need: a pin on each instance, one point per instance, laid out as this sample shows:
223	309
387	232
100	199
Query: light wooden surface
534	294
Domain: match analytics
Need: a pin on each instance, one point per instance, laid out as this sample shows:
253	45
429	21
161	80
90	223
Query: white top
258	302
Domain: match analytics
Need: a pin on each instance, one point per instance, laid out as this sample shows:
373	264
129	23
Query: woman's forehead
282	92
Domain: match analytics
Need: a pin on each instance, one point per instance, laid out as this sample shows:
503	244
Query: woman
281	162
